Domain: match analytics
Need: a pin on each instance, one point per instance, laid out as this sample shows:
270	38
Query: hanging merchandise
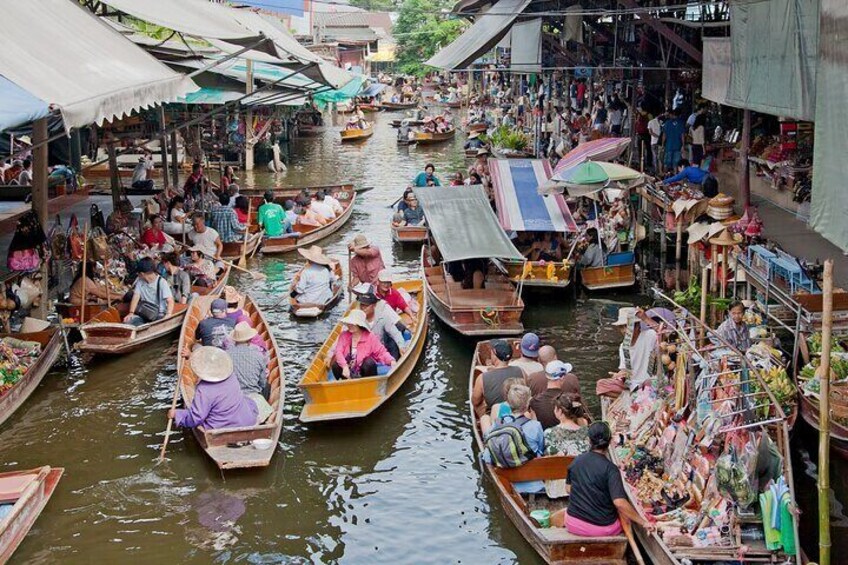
28	249
98	245
96	217
76	241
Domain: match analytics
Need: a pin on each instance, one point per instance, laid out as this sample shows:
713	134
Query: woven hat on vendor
211	364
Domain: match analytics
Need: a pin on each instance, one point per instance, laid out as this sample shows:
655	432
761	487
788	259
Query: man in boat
383	321
250	367
322	208
289	207
223	219
218	400
385	291
597	496
488	388
529	360
272	218
314	284
543	404
358	351
474	141
734	330
538	381
141	174
154	236
332	202
366	261
152	298
518	399
177	278
427	175
413	214
206	239
215	330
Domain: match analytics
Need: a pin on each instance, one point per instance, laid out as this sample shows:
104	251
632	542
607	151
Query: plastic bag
736	474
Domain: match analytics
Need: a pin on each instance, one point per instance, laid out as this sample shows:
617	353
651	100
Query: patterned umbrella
604	149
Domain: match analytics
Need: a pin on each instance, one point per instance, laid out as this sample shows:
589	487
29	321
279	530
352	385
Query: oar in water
393	204
628	531
170	420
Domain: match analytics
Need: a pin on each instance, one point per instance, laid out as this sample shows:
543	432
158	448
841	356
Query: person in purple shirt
218	400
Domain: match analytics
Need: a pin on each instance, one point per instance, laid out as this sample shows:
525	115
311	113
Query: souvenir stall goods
704	450
16	357
720	207
28	247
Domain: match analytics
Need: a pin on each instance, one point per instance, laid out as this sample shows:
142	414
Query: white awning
486	32
64	55
526	46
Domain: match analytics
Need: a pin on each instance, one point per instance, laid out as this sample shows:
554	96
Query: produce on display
16	357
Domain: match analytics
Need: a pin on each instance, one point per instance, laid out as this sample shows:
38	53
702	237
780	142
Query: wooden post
163	143
176	163
84	273
705	273
114	177
39	201
249	141
744	165
824	418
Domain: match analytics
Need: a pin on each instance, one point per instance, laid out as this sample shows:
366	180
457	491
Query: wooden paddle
243	259
628	531
349	277
84	275
171	420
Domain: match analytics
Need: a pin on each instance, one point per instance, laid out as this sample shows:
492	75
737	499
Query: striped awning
519	204
604	149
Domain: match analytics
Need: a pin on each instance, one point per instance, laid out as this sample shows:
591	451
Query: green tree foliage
421	30
375	5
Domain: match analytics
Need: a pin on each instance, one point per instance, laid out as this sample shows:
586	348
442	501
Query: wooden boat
312	234
356	398
231	448
424	138
283	192
479	127
620	271
809	408
366	108
307	130
554	545
494	310
29	491
232	250
107	333
310	310
394	106
70	311
409	121
51	344
356	134
410	234
539	274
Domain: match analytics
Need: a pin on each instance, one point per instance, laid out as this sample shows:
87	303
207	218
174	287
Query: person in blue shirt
688	173
673	131
426	176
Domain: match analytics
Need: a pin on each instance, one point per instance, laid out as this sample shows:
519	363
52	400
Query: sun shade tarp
486	32
463	225
62	54
18	107
525	54
520	206
715	79
605	149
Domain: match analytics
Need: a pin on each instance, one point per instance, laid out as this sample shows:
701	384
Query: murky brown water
401	486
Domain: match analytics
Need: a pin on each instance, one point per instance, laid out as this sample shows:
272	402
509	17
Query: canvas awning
18	107
520	206
525	54
463	225
64	55
489	28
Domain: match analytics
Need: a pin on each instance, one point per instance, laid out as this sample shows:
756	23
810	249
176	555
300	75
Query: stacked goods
16	357
769	364
720	207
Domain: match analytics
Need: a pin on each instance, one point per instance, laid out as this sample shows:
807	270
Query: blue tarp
348	91
373	90
17	106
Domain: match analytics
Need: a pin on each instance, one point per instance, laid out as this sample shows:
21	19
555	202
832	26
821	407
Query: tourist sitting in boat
474	141
154	236
178	279
593	255
538	380
176	220
272	218
480	166
383	321
518	400
543	404
426	176
642	346
597	495
413	214
228	177
473	179
141	174
400	302
307	216
358	351
291	214
488	388
314	284
428	125
201	269
215	330
320	207
236	313
366	261
250	367
501	409
218	400
95	291
152	298
457	179
471	273
242	209
233	192
223	219
529	359
734	329
570	435
205	239
332	202
355	123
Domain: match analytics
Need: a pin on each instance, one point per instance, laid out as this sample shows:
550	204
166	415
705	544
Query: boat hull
395	106
356	134
51	344
601	278
540	275
409	234
838	434
286	245
422	138
232	250
309	310
27	508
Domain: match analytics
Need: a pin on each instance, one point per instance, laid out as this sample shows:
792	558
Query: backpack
506	443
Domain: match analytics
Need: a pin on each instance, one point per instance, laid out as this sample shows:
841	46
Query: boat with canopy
465	236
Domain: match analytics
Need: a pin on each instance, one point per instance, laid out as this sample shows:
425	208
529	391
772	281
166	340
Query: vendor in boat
488	388
642	346
314	283
366	261
570	434
393	297
250	367
177	278
218	401
426	176
272	218
593	255
734	330
383	321
154	236
152	298
95	291
474	141
201	269
223	219
205	239
176	219
215	330
597	494
358	351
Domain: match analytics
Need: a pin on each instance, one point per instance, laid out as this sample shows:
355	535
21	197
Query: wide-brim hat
473	135
33	325
624	314
315	254
361	242
196	248
231	295
211	364
243	332
482	151
724	239
698	231
356	318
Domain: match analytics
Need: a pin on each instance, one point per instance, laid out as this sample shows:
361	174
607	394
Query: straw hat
482	151
726	239
697	232
356	318
384	276
428	119
315	254
623	315
361	242
473	135
243	332
196	248
33	325
231	295
211	364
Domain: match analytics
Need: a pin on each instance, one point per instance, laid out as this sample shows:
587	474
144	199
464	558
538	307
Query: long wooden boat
51	344
312	310
307	235
494	310
232	250
70	313
553	544
282	192
394	106
809	408
366	108
107	334
357	398
410	234
424	138
29	491
539	274
409	122
619	272
479	127
231	448
356	134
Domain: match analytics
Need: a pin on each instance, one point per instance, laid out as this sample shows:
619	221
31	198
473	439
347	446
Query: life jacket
506	443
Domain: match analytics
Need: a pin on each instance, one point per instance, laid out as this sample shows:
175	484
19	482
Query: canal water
402	486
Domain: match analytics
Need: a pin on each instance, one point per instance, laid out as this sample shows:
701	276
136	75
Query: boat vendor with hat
358	351
366	261
250	367
642	346
474	141
218	400
314	283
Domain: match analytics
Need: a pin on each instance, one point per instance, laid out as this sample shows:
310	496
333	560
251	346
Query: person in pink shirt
366	262
391	295
358	351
